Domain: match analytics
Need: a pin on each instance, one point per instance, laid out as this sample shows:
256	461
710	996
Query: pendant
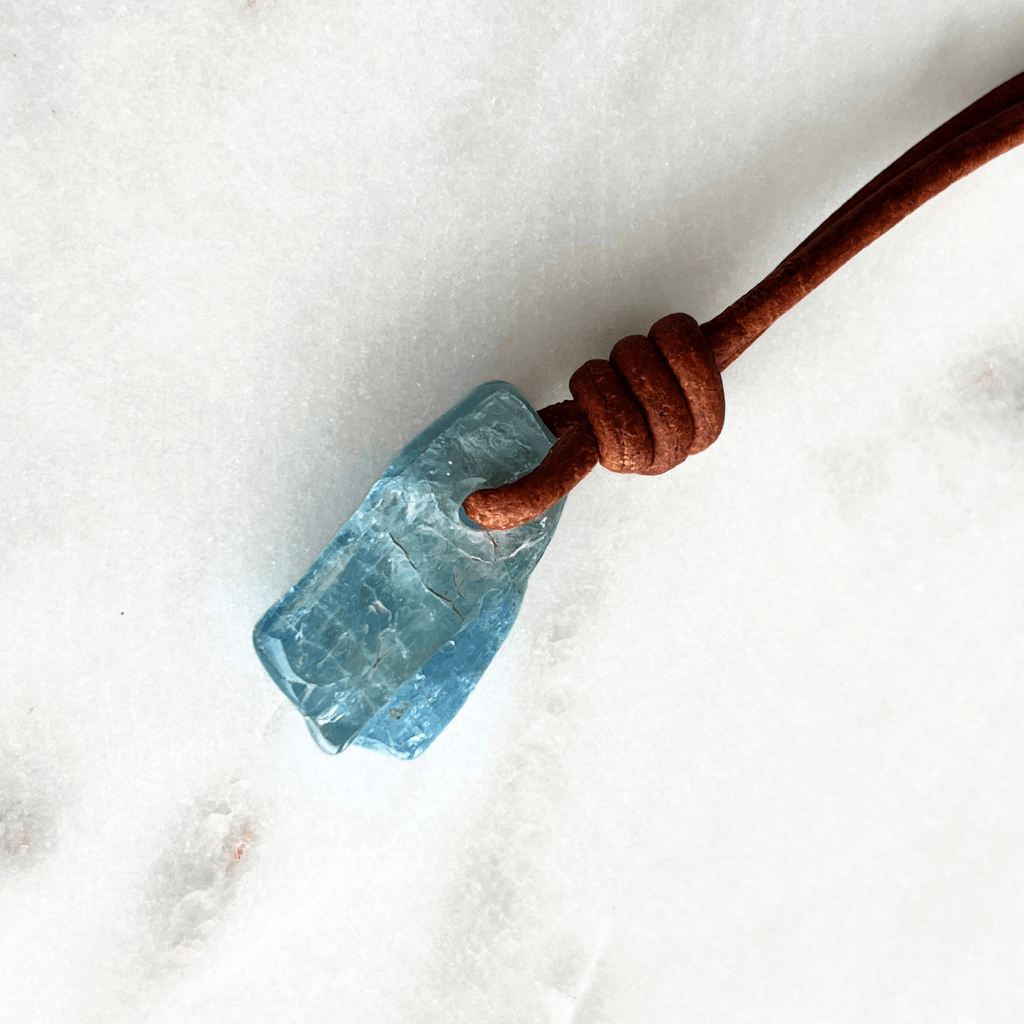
388	632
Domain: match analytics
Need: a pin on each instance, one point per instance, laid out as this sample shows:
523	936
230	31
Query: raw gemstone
385	636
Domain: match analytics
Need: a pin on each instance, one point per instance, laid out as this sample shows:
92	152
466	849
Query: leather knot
655	400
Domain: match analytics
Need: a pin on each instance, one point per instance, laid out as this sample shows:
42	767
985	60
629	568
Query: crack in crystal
408	557
423	582
441	597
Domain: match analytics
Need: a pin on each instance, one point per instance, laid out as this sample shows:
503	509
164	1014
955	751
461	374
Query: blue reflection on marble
385	636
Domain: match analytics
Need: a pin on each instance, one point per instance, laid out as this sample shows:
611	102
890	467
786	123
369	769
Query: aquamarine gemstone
385	636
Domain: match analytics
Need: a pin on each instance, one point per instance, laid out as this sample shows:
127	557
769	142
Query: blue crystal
385	636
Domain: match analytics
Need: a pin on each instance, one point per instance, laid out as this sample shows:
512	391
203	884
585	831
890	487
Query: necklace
384	637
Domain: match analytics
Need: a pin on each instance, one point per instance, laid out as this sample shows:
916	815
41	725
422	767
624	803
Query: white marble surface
753	751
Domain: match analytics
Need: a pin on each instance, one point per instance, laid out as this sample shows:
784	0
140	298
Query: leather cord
659	399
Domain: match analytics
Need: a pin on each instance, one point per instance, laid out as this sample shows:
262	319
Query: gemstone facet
387	633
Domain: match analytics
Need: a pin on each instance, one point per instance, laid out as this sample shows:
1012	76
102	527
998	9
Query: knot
655	400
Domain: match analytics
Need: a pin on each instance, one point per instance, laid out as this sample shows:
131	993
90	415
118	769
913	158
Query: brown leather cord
659	399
